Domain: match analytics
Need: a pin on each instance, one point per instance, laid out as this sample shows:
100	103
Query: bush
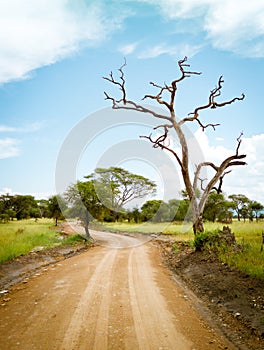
215	240
200	240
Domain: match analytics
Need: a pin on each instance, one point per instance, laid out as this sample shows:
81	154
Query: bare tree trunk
171	122
198	225
86	226
197	218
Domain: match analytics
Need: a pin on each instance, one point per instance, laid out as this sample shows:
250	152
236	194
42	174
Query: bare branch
125	104
219	188
159	142
237	163
202	181
171	89
121	84
198	170
228	162
211	104
169	126
239	140
162	141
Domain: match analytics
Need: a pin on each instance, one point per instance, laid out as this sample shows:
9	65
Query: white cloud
179	50
5	128
38	33
210	152
27	128
6	190
128	49
8	148
181	8
232	25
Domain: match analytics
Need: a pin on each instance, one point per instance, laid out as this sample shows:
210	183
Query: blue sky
55	52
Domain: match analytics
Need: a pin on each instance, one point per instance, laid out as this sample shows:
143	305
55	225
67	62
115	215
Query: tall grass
250	259
20	237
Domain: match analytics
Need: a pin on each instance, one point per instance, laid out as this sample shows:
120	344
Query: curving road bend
105	298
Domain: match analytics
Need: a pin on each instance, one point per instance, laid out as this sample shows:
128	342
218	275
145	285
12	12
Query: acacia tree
240	204
170	122
85	202
106	189
255	207
116	187
56	206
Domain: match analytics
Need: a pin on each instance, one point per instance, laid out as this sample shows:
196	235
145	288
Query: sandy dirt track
105	298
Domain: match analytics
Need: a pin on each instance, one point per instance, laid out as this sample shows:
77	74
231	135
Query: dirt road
106	298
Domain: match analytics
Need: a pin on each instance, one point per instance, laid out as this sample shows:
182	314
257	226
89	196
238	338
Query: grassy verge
181	232
20	237
248	234
250	259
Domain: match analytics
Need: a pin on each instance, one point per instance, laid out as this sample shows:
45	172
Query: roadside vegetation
20	237
100	201
248	235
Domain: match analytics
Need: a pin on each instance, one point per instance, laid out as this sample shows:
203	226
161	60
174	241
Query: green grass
20	237
250	259
181	232
248	235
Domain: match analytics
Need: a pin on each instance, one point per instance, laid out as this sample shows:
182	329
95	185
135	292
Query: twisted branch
159	142
172	123
171	88
211	104
121	84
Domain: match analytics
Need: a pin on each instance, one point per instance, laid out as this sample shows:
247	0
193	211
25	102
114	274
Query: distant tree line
103	196
106	192
25	206
217	208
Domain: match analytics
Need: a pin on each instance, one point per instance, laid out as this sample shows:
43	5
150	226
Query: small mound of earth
235	299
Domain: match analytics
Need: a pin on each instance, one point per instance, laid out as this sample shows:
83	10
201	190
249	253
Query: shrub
215	240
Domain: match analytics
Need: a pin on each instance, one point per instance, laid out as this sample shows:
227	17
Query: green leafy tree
115	187
225	213
183	212
174	205
43	208
213	206
239	201
56	206
105	193
134	215
85	204
256	208
23	206
155	210
6	212
245	212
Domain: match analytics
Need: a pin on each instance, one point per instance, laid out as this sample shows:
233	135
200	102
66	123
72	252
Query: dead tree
170	122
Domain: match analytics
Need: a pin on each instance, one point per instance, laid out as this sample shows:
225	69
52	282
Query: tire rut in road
91	314
103	299
154	324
